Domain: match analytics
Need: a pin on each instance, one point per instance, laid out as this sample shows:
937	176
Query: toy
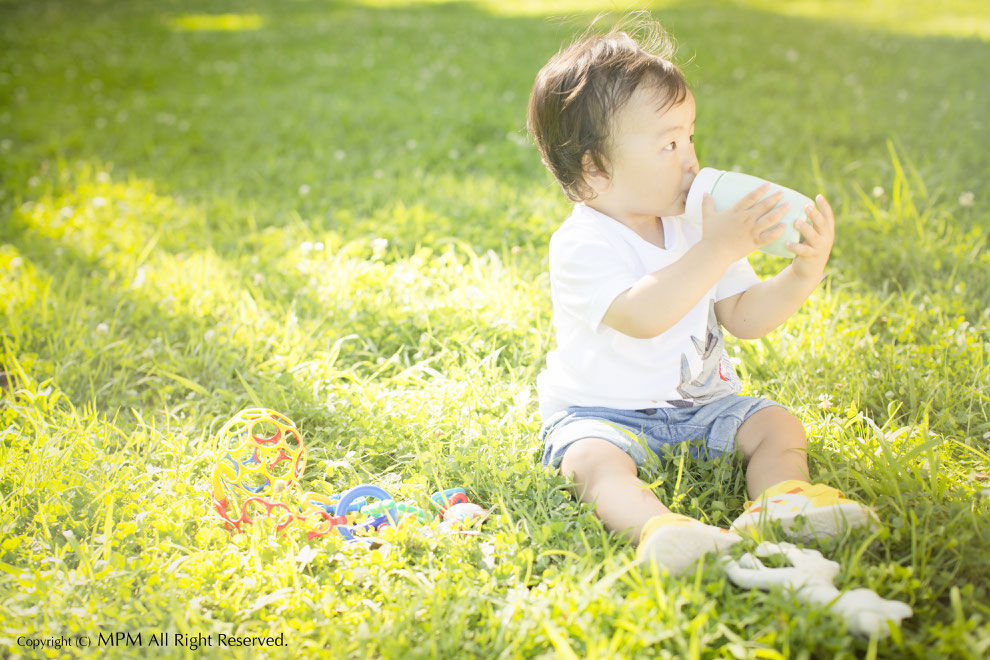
260	461
810	579
260	454
391	514
454	506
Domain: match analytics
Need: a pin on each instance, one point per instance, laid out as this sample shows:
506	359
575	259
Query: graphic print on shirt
717	378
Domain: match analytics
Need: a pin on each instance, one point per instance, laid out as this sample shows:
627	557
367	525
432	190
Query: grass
331	209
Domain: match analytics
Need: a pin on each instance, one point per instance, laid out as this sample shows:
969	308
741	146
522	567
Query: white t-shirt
593	259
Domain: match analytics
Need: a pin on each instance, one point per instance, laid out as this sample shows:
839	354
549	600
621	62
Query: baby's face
652	156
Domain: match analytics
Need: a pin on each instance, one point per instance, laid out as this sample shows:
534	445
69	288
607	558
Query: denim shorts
638	431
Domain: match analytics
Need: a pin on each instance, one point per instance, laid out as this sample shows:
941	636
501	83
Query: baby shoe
675	541
806	512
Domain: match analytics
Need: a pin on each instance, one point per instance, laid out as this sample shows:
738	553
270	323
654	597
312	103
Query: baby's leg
773	442
605	476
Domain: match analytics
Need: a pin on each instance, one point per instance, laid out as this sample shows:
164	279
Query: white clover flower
307	246
967	199
102	329
378	247
99	202
878	191
139	277
304	189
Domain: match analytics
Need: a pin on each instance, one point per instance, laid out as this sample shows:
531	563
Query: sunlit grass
954	18
217	22
338	215
529	7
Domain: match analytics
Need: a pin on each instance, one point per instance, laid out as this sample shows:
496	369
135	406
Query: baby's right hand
745	226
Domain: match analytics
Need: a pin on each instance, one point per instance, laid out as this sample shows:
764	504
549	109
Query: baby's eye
670	147
692	138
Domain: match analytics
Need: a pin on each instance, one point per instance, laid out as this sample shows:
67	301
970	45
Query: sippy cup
727	188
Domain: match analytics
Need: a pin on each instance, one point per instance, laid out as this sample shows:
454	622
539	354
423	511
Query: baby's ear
597	178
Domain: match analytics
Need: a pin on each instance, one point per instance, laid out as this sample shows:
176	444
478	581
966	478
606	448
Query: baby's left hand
813	253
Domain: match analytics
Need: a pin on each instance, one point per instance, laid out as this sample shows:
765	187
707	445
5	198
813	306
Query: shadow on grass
349	117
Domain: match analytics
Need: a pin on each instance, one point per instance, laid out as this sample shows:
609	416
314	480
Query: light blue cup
727	188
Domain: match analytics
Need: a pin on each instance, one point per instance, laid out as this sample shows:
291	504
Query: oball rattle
260	454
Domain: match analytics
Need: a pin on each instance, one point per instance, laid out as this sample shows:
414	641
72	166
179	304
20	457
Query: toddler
640	293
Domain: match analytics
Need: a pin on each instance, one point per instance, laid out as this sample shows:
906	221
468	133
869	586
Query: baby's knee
774	426
588	458
786	428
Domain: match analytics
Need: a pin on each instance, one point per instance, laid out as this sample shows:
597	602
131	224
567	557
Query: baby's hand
812	254
745	226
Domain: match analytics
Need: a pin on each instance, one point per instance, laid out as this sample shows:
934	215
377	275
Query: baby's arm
659	300
764	307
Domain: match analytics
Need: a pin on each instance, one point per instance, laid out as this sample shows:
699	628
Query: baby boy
640	295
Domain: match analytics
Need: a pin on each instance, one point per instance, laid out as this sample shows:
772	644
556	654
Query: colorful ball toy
260	454
260	458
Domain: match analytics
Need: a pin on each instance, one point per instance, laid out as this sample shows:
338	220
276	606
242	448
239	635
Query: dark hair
579	91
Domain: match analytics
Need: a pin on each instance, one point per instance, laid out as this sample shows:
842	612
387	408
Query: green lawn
332	209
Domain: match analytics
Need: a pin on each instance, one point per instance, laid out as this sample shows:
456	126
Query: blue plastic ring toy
441	498
364	490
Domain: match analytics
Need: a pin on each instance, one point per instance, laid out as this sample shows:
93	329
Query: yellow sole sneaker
806	512
676	542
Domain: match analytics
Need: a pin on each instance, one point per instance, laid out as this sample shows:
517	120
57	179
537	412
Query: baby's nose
691	165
